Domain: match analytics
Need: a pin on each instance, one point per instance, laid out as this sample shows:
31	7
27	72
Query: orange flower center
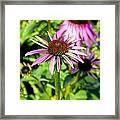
57	47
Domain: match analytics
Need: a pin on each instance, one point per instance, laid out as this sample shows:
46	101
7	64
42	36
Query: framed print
59	59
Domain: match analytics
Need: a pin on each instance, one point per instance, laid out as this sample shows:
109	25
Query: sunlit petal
51	67
40	59
36	51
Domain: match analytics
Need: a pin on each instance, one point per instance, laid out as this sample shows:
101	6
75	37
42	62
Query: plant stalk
57	85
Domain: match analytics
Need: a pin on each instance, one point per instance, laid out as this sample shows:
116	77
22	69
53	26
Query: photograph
59	59
62	63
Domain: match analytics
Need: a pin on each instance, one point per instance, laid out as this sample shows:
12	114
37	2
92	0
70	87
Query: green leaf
94	97
90	79
51	86
67	81
44	96
31	97
27	30
28	78
63	66
42	26
81	95
29	58
42	71
68	90
49	90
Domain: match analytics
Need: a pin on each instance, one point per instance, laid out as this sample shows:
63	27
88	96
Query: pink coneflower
90	63
81	29
56	50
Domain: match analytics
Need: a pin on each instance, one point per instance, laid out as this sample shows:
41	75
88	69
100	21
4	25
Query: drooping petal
74	29
40	59
91	74
75	41
77	52
80	59
65	36
77	32
71	45
49	57
68	60
69	28
91	55
51	67
36	51
42	40
74	56
79	43
81	31
91	34
58	63
96	62
61	30
72	39
90	25
66	22
74	62
87	51
39	43
74	70
86	38
78	47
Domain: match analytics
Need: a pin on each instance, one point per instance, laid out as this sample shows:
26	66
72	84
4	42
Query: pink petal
80	59
81	32
78	47
91	55
51	67
72	39
96	62
74	70
91	74
91	34
65	36
74	57
73	44
66	22
87	51
77	52
86	38
68	60
50	56
58	64
36	51
90	25
61	30
77	32
74	62
79	43
74	29
41	59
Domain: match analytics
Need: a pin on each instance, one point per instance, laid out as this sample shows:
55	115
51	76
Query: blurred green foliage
37	83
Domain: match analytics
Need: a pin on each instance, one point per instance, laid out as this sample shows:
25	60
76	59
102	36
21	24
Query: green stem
76	78
49	27
57	85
